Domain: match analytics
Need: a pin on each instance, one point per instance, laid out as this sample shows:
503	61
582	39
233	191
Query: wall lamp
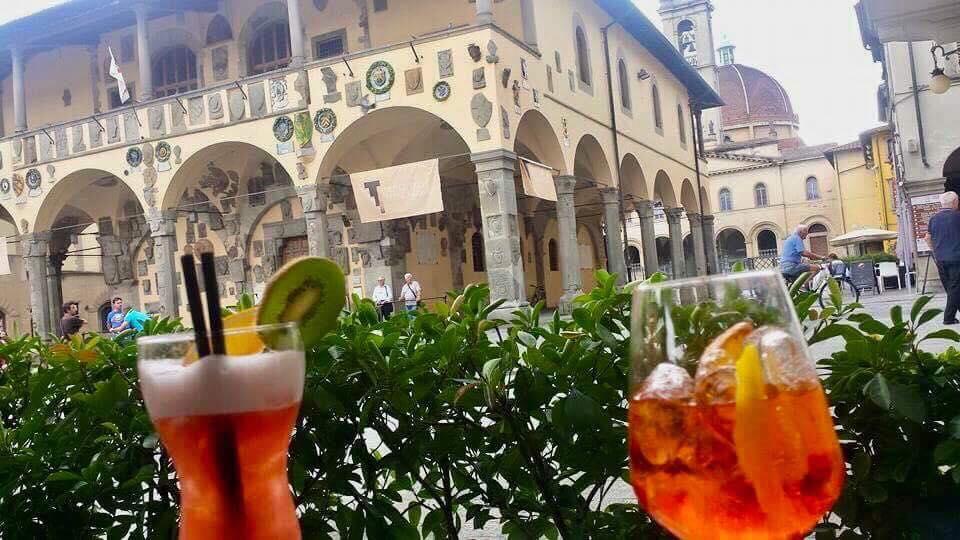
940	83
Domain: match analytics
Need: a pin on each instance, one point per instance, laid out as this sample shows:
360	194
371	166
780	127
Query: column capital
610	195
695	219
708	219
314	197
644	208
494	160
566	184
673	214
35	245
162	223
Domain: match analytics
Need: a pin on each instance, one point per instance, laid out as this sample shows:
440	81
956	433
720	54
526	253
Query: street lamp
940	83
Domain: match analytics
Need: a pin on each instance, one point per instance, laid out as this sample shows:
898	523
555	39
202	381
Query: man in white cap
383	298
411	293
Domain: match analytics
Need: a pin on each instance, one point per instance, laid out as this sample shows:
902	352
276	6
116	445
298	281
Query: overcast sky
812	47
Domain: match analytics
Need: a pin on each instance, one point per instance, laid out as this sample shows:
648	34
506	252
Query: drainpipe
616	143
696	124
916	104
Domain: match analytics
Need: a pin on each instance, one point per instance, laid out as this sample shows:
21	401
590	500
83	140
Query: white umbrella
864	235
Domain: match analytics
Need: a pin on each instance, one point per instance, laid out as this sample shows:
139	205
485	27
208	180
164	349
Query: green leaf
947	453
582	411
861	465
879	392
908	402
896	314
953	428
873	492
946	333
928	316
64	476
918	306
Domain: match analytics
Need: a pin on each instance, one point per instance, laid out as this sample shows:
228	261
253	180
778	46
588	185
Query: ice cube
716	380
662	416
784	358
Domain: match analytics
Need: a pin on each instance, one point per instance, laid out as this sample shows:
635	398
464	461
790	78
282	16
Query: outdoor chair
888	270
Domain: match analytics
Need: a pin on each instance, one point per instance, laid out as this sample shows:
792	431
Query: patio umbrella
862	236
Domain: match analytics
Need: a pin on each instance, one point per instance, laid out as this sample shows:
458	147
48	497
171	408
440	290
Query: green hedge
516	426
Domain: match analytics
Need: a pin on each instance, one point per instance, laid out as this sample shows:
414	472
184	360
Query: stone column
94	77
648	237
568	247
674	217
19	96
163	230
484	11
143	52
498	208
314	199
35	259
699	249
616	262
456	244
710	243
55	288
297	55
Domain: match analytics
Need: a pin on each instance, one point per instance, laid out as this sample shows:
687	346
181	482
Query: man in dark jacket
944	237
71	323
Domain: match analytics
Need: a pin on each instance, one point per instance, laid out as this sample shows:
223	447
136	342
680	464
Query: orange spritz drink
732	439
226	421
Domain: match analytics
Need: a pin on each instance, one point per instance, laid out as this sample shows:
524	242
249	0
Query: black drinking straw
209	270
195	304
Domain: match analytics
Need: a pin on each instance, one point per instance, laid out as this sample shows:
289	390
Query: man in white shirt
383	298
411	293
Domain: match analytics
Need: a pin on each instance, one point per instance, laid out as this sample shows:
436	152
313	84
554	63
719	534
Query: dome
753	97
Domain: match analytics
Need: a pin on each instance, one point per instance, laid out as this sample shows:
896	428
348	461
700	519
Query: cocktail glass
730	432
227	422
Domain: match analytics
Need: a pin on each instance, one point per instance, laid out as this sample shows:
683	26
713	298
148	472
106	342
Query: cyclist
791	262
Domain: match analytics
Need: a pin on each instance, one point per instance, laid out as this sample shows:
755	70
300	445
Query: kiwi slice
309	291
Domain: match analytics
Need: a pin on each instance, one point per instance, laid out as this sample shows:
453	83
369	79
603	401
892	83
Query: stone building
761	177
250	118
911	40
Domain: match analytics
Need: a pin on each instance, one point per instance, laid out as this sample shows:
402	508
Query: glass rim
180	337
707	280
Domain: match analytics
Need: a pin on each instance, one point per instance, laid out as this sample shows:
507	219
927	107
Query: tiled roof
808	152
751	96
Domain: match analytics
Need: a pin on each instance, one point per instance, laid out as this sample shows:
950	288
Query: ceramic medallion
325	121
380	77
134	157
283	128
441	91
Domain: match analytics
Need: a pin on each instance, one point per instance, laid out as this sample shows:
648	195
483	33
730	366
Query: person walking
71	323
411	293
115	317
794	250
944	235
383	298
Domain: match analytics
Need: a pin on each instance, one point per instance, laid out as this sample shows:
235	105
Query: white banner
538	180
398	192
118	75
4	258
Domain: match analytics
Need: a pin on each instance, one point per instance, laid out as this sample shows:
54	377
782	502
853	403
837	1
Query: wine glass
730	432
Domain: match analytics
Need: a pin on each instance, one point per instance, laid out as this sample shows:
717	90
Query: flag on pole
4	258
118	75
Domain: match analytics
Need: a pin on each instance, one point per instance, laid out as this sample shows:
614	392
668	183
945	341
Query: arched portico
694	247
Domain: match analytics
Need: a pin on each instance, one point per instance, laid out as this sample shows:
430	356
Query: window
330	45
219	30
726	200
553	256
479	263
657	115
379	5
583	57
624	85
270	48
760	195
682	124
818	238
767	243
114	95
813	189
174	71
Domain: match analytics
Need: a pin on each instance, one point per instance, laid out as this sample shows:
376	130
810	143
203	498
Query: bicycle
819	282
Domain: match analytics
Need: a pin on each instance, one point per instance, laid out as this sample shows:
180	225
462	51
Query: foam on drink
222	384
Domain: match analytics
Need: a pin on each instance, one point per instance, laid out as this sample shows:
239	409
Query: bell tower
688	24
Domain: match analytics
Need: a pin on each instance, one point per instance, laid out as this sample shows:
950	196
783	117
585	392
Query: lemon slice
243	344
756	438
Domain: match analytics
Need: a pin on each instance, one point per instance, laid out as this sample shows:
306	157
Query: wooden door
294	248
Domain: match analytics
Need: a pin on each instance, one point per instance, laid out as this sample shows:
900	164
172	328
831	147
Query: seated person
133	319
837	267
791	262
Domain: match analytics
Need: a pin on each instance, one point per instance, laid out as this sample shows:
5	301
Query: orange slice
756	438
243	344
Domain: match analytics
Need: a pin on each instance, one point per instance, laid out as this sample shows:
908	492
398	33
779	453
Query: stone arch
537	137
219	30
164	40
688	197
766	225
731	246
705	201
663	190
264	14
634	183
767	243
100	197
393	136
590	161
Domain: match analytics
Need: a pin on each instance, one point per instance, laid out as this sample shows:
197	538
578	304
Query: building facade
249	119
